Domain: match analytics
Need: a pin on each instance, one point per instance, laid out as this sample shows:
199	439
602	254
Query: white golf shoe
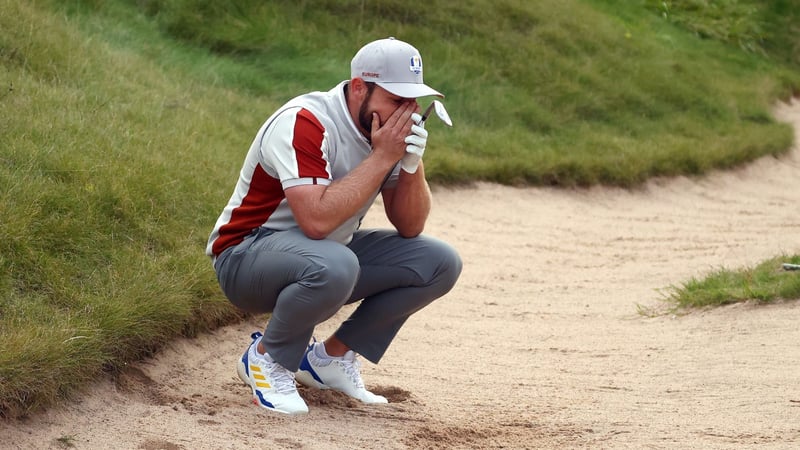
273	386
338	373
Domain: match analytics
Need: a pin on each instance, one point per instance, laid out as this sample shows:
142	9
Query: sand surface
542	344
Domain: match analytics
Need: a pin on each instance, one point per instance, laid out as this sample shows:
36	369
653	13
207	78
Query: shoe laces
282	378
351	367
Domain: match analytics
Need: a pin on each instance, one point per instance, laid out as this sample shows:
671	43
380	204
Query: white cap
393	65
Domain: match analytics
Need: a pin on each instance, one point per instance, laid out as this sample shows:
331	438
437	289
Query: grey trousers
303	282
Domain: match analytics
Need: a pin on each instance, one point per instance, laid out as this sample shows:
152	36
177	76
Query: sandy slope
539	346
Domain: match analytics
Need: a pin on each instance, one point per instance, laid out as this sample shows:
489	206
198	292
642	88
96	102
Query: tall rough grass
104	206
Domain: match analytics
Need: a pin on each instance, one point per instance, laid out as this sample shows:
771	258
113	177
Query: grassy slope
122	133
104	205
549	92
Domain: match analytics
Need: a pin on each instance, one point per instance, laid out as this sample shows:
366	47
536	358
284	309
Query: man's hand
388	139
416	145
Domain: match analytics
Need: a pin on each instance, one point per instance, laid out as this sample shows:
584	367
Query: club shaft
427	112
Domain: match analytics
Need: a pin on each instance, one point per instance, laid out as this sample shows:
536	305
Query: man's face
381	101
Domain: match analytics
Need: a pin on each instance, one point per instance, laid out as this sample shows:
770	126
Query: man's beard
365	117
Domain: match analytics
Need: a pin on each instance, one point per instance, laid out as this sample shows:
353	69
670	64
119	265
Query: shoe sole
307	379
242	372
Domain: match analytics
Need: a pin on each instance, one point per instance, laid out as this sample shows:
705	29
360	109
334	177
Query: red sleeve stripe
307	143
262	199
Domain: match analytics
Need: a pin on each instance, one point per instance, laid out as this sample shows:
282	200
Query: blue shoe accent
246	365
264	402
245	359
305	365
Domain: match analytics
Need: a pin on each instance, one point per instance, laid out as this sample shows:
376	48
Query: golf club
441	112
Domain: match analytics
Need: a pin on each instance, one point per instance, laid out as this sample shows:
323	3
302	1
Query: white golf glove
416	145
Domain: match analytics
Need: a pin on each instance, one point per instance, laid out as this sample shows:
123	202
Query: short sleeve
295	146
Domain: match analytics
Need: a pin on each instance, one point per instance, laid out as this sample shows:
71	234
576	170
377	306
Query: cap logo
370	74
416	64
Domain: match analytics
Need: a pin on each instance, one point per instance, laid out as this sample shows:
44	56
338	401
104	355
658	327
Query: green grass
768	28
550	92
767	282
105	206
123	125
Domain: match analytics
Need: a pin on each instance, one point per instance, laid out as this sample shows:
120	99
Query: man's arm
408	204
319	210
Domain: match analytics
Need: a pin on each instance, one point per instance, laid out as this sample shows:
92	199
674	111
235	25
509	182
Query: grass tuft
765	283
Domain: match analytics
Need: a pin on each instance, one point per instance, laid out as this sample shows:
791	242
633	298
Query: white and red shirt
310	140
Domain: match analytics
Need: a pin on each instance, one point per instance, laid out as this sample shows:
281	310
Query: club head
438	107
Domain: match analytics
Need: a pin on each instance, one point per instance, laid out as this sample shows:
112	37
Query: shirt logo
416	64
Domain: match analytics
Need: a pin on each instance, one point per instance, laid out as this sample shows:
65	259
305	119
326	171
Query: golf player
289	240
